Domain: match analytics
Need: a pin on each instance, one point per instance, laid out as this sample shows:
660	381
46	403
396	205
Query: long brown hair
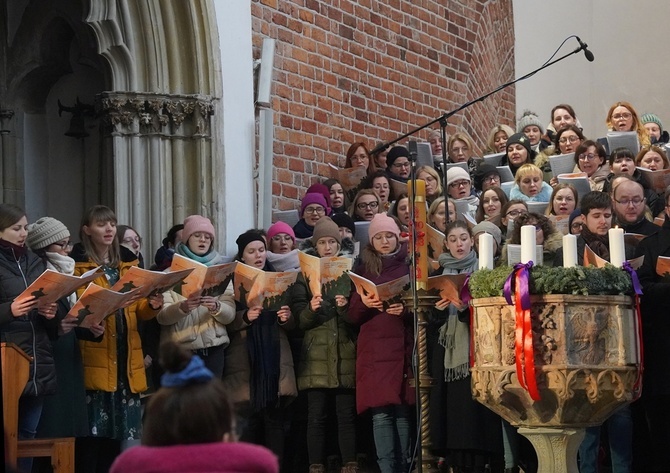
99	213
9	215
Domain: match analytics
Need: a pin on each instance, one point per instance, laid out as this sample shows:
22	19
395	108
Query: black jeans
317	413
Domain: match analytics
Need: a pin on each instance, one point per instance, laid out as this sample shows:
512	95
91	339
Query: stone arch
158	111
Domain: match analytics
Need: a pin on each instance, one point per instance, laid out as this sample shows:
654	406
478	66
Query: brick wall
348	70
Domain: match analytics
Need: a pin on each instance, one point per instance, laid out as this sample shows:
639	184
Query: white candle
617	247
485	251
528	243
569	251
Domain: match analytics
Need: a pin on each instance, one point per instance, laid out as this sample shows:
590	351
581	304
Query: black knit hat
523	140
483	171
395	153
247	237
344	220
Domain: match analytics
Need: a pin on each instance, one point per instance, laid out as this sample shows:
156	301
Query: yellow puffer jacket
99	358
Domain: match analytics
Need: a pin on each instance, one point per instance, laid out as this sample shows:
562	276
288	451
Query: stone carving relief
155	114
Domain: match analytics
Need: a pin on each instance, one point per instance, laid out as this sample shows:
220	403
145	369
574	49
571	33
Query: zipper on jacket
32	328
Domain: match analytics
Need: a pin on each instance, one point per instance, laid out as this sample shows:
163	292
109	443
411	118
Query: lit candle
485	251
617	247
569	251
528	243
421	243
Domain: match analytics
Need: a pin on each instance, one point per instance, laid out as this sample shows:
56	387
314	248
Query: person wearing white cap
459	188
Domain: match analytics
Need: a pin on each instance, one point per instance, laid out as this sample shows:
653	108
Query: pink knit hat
280	227
383	223
196	223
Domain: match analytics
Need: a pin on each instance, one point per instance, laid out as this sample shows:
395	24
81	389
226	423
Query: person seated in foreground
189	425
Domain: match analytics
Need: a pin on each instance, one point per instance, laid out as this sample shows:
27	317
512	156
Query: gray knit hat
651	118
529	118
488	227
46	231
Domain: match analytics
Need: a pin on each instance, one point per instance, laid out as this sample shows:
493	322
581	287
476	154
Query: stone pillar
161	156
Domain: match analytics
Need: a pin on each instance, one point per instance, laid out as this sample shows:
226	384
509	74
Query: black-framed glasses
370	205
626	202
64	244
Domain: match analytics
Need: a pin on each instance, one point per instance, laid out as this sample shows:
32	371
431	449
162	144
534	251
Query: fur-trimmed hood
347	247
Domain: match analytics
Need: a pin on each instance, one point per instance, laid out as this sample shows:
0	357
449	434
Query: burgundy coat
383	360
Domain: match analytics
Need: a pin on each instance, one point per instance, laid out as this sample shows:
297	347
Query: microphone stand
423	303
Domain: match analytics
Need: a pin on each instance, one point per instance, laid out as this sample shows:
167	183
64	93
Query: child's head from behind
192	405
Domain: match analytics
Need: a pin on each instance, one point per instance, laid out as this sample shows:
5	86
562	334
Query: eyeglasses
576	226
370	205
571	139
493	178
64	244
401	165
635	201
461	183
131	240
315	210
625	116
359	157
588	157
515	213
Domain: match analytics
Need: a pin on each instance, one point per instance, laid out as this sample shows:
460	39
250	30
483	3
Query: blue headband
195	372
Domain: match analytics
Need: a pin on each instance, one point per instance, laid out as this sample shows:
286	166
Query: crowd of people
332	373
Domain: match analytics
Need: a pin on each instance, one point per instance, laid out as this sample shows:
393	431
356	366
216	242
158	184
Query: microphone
584	47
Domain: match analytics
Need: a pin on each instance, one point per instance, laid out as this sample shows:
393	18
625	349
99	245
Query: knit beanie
523	140
314	198
383	223
490	228
573	215
46	231
344	220
194	224
247	237
457	174
280	227
483	171
529	118
395	153
320	189
325	227
651	118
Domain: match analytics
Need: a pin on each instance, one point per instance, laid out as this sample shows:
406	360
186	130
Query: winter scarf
210	258
598	243
454	334
284	262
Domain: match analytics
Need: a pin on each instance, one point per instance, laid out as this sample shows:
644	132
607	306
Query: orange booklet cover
149	282
326	276
97	303
211	280
255	287
52	285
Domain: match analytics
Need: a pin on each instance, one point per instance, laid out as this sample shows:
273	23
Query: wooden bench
15	366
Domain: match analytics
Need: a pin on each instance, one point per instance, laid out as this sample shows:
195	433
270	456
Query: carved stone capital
145	114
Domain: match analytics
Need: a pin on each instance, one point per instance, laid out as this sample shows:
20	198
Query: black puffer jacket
30	332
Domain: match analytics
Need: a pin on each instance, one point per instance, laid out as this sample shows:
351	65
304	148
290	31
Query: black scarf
16	250
264	355
598	243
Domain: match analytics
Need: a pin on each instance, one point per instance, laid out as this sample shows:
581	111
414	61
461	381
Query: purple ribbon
523	270
633	276
465	294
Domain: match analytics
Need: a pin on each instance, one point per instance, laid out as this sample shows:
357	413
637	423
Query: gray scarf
454	334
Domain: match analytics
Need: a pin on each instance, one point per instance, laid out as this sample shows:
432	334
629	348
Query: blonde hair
432	172
490	139
460	136
527	170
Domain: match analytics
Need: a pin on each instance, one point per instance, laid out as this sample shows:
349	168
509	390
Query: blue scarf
208	259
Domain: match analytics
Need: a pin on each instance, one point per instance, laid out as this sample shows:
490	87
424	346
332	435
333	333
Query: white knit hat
46	231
